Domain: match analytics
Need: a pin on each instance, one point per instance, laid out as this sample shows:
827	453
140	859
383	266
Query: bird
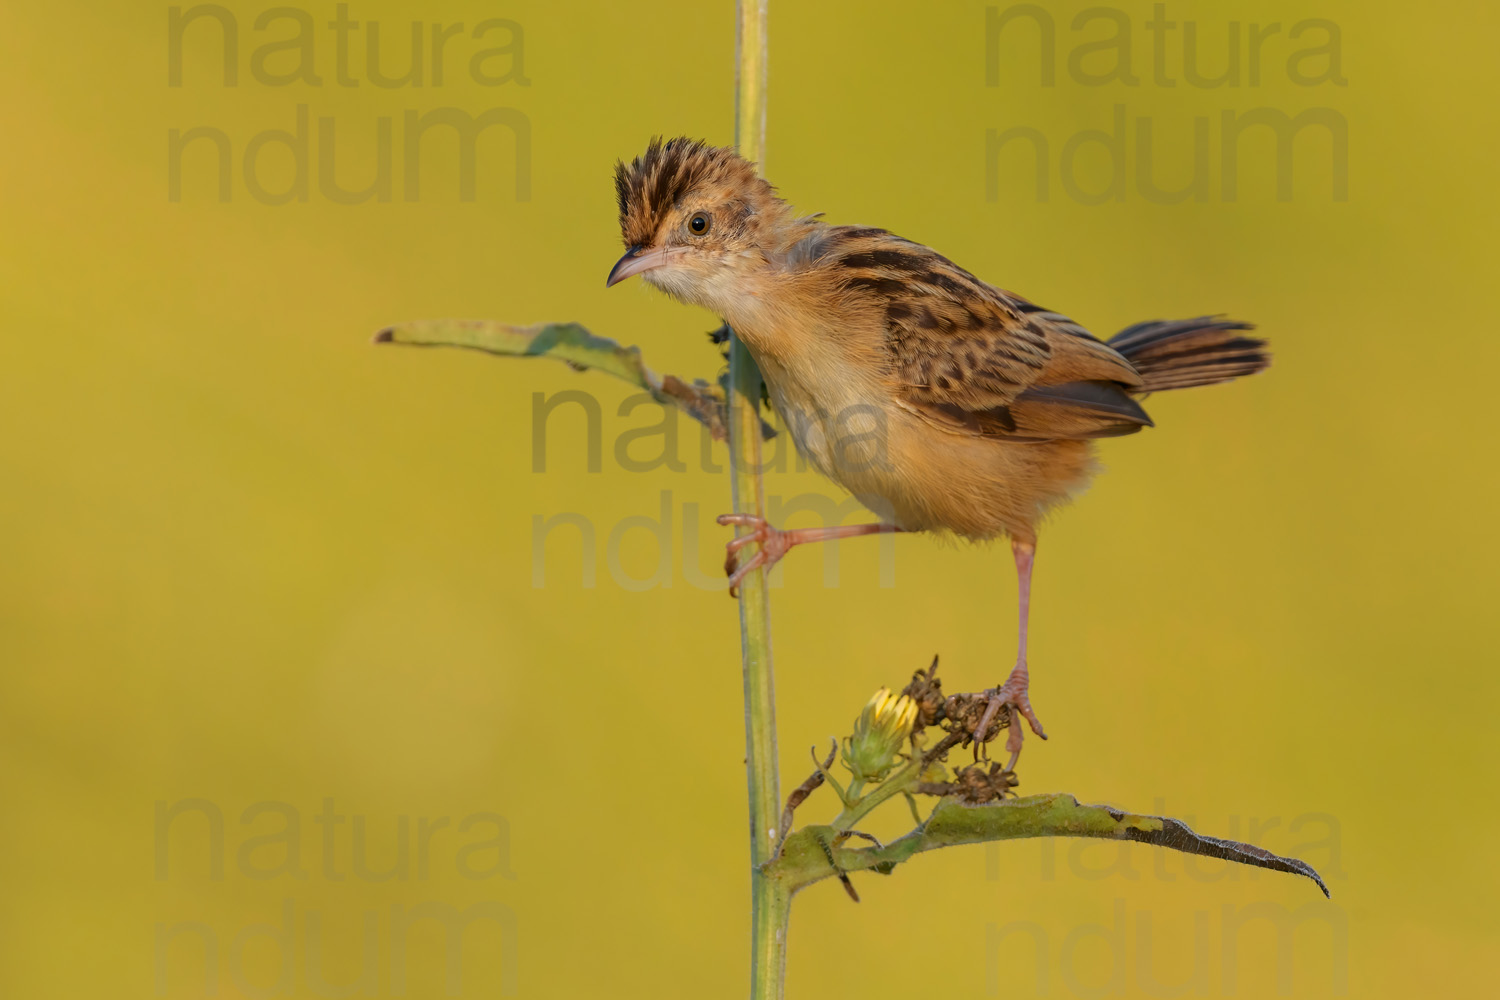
943	403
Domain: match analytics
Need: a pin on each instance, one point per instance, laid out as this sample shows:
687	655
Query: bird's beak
638	259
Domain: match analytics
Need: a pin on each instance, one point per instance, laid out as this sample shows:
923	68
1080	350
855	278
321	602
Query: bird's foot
774	543
1014	695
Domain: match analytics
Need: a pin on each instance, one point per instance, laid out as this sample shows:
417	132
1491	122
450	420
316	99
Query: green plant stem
770	900
773	906
894	785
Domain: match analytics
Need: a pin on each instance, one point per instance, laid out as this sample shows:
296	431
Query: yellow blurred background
257	574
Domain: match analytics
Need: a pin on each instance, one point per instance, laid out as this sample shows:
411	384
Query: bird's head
696	220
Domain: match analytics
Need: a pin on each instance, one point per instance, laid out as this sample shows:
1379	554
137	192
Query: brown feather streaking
941	402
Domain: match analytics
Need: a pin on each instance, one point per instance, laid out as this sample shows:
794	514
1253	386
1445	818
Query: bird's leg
1014	692
775	543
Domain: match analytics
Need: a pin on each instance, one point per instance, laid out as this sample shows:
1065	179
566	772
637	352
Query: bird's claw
1013	694
773	545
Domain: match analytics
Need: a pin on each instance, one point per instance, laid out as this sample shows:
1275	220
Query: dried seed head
964	712
927	691
976	786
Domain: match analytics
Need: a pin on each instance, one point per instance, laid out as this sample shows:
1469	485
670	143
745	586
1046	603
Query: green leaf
809	855
575	346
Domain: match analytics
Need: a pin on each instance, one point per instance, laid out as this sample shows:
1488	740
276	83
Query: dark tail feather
1180	353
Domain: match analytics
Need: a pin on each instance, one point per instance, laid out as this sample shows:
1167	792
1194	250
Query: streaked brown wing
980	360
953	340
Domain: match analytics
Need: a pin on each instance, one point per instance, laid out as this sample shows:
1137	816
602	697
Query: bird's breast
837	414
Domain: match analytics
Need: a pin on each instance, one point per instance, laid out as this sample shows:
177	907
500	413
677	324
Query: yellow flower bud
879	733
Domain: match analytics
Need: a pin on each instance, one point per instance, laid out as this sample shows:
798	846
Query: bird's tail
1180	353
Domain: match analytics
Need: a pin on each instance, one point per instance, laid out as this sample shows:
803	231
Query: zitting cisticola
941	402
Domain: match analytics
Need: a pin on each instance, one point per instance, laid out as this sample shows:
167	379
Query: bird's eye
698	224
